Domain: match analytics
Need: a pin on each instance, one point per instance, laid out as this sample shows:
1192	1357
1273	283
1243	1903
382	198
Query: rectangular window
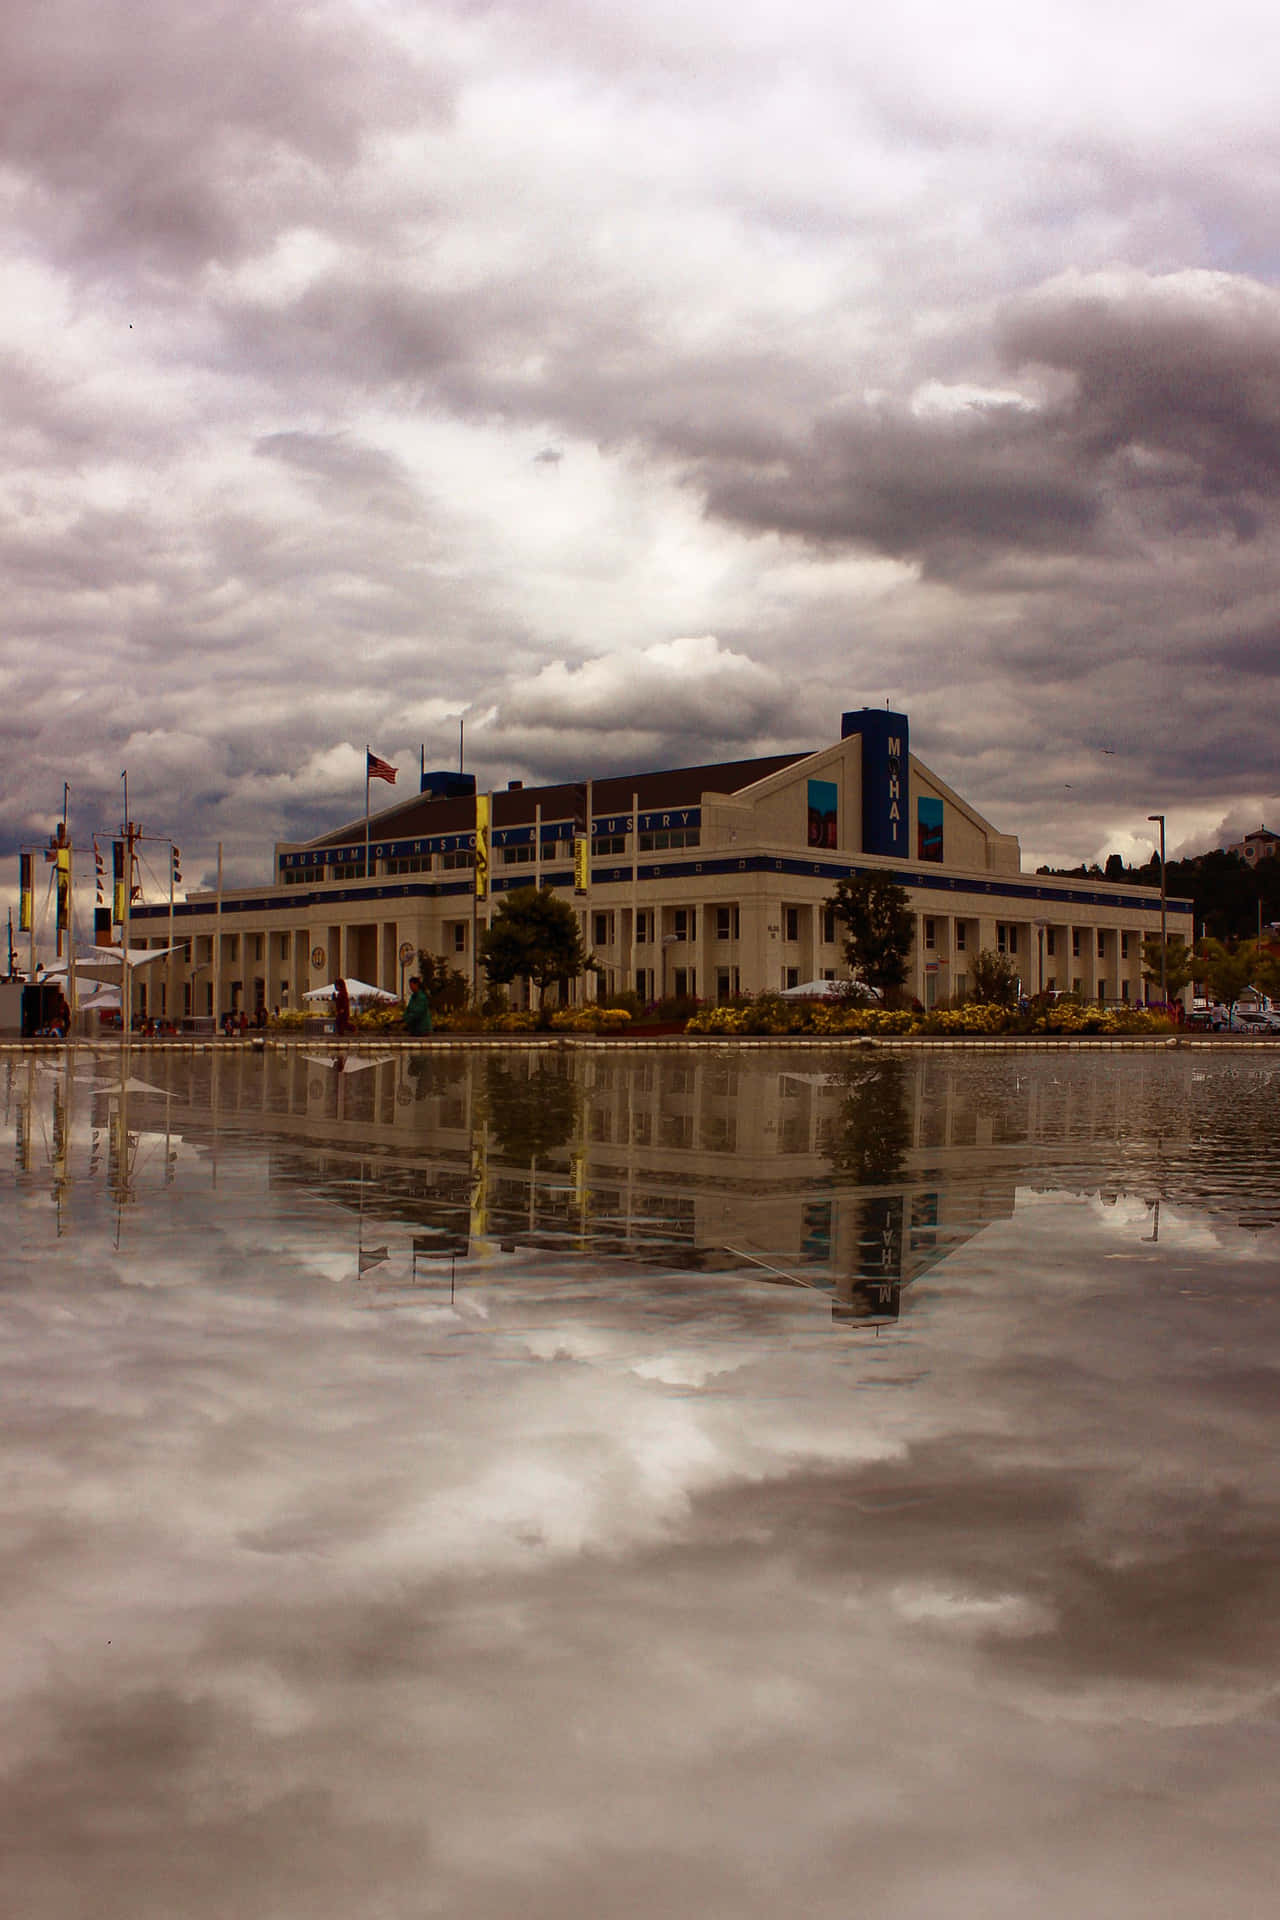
1124	989
686	982
1102	944
347	870
517	856
1124	946
409	863
1050	945
1051	984
294	876
609	845
930	932
459	936
792	930
791	976
604	929
960	937
828	927
685	923
1076	984
728	926
456	862
666	837
962	985
644	925
1075	943
1006	937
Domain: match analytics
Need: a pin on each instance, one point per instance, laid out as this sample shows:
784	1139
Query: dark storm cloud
948	491
149	134
1162	423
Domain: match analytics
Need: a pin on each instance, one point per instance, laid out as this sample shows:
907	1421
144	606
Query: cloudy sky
640	386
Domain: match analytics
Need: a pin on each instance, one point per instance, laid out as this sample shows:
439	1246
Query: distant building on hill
1257	846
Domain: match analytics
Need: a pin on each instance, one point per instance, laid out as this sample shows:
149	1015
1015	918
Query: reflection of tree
531	1106
873	1128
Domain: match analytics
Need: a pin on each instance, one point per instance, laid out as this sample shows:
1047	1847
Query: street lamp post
1164	996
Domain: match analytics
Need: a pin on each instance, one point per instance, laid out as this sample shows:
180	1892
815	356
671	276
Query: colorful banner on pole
63	918
581	863
117	882
482	846
24	893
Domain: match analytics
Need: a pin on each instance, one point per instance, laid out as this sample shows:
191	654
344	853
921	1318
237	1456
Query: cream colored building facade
706	881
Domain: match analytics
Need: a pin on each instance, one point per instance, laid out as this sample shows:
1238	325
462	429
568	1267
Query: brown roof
668	787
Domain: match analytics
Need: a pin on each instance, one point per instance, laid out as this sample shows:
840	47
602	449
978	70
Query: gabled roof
663	788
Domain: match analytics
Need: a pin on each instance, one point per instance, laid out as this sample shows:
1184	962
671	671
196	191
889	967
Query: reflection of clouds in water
603	1589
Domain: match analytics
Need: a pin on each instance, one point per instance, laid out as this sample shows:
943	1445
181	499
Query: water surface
624	1481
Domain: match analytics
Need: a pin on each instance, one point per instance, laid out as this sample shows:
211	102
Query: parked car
1254	1020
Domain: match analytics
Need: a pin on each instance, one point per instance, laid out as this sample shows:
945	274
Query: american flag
375	769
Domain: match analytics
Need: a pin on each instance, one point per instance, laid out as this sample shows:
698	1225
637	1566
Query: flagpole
71	914
126	981
366	809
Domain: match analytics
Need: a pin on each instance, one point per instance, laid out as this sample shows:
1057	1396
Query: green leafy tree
995	980
879	928
1227	970
447	989
1179	963
534	936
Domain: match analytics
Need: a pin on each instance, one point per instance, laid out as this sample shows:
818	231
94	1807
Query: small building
705	881
1260	845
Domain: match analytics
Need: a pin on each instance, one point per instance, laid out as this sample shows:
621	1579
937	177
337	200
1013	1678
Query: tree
534	936
880	927
447	988
1227	971
1179	963
995	980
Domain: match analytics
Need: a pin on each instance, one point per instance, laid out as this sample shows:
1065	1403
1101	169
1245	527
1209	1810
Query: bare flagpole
366	809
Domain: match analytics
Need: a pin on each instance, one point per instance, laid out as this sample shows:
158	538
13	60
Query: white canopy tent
104	959
830	990
356	990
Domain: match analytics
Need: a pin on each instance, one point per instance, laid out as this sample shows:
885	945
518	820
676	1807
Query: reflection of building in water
851	1170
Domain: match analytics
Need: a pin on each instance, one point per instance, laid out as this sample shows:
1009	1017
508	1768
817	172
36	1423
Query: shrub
591	1019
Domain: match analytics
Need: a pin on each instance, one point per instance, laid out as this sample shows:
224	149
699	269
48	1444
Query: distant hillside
1227	892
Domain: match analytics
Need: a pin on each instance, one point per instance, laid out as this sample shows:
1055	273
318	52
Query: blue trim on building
620	875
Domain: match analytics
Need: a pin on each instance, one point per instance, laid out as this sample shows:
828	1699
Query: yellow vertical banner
482	846
63	914
24	893
581	862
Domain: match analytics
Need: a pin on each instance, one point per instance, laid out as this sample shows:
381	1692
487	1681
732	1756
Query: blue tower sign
885	753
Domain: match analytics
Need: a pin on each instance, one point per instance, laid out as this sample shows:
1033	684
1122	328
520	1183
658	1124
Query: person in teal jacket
417	1014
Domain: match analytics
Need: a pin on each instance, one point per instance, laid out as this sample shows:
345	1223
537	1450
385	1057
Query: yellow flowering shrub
590	1019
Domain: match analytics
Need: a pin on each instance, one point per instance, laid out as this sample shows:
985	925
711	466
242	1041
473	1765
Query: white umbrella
356	990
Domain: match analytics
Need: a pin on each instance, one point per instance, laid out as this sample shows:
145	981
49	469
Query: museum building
708	881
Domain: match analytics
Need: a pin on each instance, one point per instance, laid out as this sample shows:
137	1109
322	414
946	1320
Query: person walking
342	1006
417	1014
